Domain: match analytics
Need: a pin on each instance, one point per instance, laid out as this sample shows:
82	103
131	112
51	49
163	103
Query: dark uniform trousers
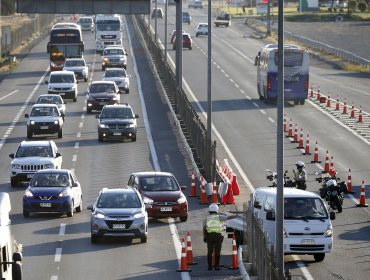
214	243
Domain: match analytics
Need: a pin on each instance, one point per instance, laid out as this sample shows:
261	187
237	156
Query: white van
307	223
10	269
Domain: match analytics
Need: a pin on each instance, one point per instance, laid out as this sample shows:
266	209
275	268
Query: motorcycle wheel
337	204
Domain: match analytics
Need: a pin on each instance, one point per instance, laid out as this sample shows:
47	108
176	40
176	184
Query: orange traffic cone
189	251
234	264
184	261
318	93
300	145
316	155
203	195
352	111
331	167
327	165
193	191
295	138
290	131
307	148
349	183
345	106
214	198
362	196
228	198
328	101
284	122
311	90
337	104
360	115
235	185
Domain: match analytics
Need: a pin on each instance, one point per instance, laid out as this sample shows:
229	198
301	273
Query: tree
7	7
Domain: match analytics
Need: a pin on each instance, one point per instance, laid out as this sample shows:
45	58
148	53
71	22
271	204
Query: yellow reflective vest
213	224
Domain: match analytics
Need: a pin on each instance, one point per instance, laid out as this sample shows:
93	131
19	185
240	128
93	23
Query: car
32	156
157	13
195	4
117	122
114	56
53	191
202	29
77	66
86	23
187	42
63	83
119	76
119	212
101	93
53	99
44	119
186	18
173	35
163	192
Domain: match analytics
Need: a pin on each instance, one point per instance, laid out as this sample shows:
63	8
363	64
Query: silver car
119	76
53	99
78	66
119	212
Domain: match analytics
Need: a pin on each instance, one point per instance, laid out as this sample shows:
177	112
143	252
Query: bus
296	73
65	42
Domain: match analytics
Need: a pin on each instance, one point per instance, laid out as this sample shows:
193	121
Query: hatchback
162	191
187	42
202	29
119	212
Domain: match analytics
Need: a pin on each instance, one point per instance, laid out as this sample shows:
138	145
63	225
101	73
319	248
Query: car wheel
26	214
29	134
196	34
70	212
75	99
144	239
88	110
17	271
60	133
100	138
296	102
302	101
190	48
184	219
94	238
319	257
133	138
13	182
103	68
85	79
79	208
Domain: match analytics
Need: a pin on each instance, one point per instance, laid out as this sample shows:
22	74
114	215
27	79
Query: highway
56	247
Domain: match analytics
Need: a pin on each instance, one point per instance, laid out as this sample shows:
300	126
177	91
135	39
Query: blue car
53	191
186	18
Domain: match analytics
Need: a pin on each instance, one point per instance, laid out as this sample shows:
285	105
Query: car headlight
138	215
16	166
181	200
28	193
84	71
49	165
102	125
114	98
131	125
105	60
99	216
64	193
32	122
148	200
56	122
329	232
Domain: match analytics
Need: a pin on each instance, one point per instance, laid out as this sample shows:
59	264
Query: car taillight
269	82
306	86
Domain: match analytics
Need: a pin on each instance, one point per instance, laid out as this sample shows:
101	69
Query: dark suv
162	191
117	122
101	93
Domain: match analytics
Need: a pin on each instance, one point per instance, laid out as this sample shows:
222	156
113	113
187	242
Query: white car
78	66
63	83
119	76
202	29
195	4
32	156
53	99
114	56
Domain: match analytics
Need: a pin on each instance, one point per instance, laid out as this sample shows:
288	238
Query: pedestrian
301	175
212	235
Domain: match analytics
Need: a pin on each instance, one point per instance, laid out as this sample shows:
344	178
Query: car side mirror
148	206
75	185
183	188
77	81
270	216
97	116
58	154
11	155
137	116
90	207
26	115
46	82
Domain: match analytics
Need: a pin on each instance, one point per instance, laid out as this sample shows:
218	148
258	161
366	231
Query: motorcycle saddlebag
322	192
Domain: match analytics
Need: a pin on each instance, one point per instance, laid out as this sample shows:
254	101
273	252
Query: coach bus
65	42
296	73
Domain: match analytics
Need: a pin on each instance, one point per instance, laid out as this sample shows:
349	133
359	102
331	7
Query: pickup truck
222	19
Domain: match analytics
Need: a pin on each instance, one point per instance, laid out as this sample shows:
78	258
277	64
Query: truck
108	30
11	251
222	18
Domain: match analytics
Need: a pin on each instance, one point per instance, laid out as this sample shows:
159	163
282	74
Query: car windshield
113	52
115	73
116	113
61	79
49	100
98	88
34	151
72	63
118	200
304	208
44	111
45	180
159	183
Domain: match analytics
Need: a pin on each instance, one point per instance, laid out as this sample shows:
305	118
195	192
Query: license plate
102	103
166	209
117	133
308	241
119	226
62	93
44	127
29	176
44	204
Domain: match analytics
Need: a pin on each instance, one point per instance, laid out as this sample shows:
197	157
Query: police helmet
331	183
213	208
300	164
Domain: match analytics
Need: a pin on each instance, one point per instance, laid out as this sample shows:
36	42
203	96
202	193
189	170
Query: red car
187	42
162	191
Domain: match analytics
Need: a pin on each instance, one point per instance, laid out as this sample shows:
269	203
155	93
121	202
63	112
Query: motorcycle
288	183
333	194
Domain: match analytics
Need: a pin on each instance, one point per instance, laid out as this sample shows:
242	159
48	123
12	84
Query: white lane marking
62	229
9	94
54	277
263	111
271	119
83	115
255	104
77	145
81	124
74	158
73	170
78	134
58	255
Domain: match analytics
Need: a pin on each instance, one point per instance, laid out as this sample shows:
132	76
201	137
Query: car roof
202	23
36	143
39	105
75	58
120	105
49	95
114	69
102	82
152	173
113	47
62	72
118	190
288	192
65	171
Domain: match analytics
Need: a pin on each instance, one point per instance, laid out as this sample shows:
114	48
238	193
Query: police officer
301	175
212	234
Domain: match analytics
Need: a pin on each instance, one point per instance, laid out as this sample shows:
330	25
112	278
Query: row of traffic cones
187	255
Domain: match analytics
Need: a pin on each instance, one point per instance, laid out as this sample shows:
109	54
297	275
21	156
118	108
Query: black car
101	93
117	122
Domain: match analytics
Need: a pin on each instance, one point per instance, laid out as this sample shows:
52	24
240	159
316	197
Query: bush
352	5
362	6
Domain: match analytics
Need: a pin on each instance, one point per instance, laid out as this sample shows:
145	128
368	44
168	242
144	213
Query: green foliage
352	5
7	7
362	6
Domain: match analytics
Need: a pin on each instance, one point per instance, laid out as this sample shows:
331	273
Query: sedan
162	191
78	66
119	76
101	93
53	99
53	191
187	42
119	212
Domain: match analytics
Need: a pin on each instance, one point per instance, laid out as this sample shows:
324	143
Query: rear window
291	58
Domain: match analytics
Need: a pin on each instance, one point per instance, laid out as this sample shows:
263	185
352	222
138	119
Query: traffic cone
193	191
214	192
311	90
327	165
331	167
203	195
295	138
234	264
228	198
284	122
349	182
337	104
345	106
316	155
300	145
360	115
189	251
184	261
235	185
352	111
318	93
290	131
362	196
328	101
307	148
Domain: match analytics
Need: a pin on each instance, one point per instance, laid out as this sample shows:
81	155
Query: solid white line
78	134
9	94
77	144
81	125
303	267
62	229
263	111
58	255
74	158
271	119
54	277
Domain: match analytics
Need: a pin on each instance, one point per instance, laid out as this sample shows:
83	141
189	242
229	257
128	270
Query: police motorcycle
332	190
288	183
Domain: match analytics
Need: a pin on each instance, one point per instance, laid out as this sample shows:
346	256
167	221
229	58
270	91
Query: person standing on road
212	235
301	175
